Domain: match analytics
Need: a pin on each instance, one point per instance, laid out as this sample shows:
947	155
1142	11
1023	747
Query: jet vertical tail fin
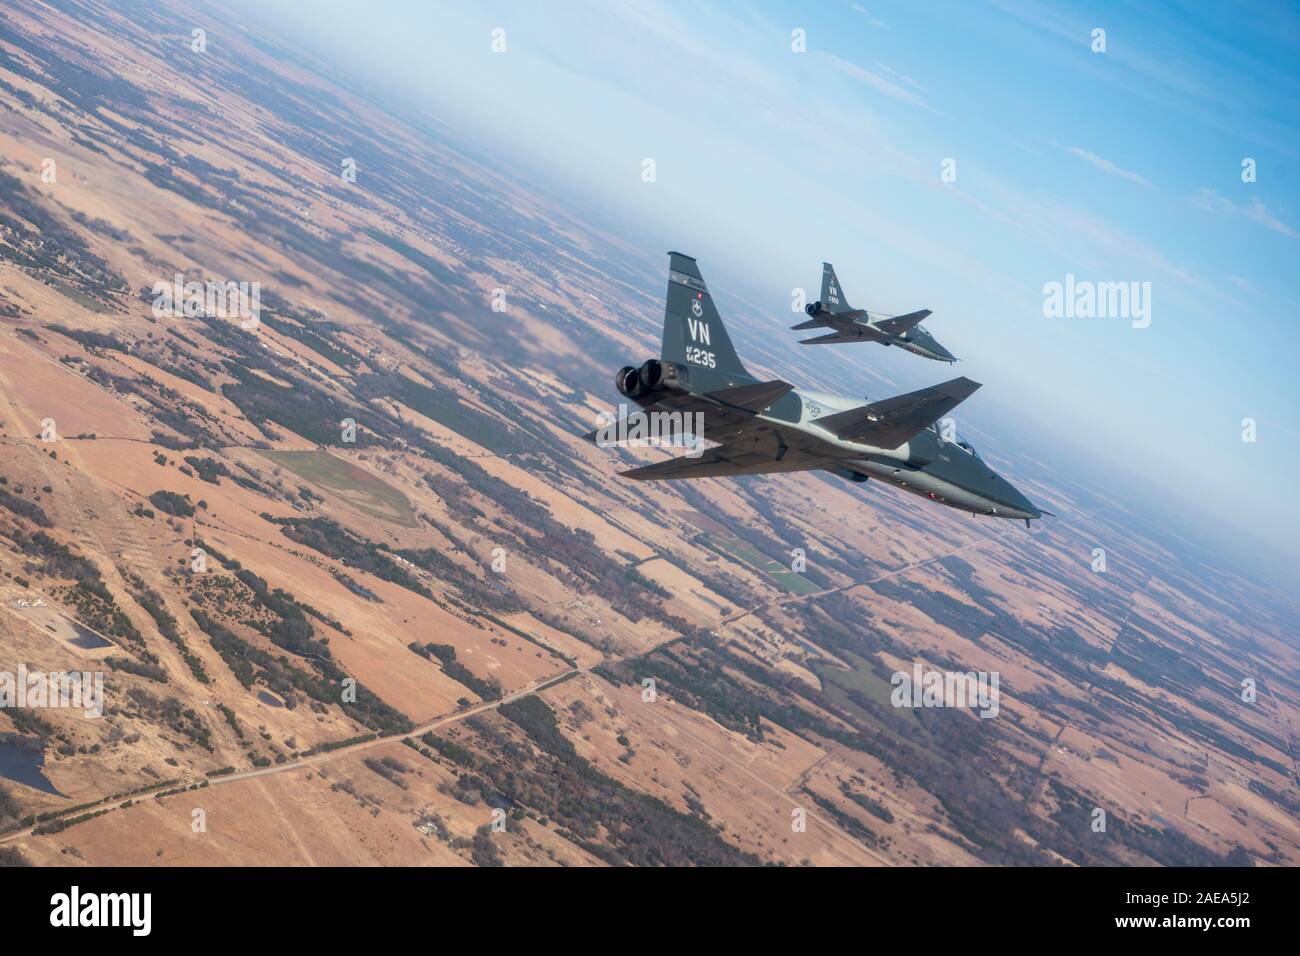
833	298
694	335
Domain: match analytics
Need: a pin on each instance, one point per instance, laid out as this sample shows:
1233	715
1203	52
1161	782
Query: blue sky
1117	166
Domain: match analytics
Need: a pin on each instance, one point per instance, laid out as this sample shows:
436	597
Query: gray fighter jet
832	311
766	427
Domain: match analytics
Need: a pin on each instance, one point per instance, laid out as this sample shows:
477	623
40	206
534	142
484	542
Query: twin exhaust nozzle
650	377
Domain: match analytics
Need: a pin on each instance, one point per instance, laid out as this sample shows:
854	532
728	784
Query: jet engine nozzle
651	375
813	308
628	381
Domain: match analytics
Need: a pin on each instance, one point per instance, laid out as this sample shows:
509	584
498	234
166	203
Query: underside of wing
893	421
901	323
762	453
854	332
847	335
753	398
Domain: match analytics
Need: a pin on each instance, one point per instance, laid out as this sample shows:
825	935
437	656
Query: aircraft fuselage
929	465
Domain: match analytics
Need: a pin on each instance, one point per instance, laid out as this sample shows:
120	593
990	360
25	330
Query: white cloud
1255	211
882	80
1105	165
859	8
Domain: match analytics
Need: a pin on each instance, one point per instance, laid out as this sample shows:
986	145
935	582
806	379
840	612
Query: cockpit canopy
951	438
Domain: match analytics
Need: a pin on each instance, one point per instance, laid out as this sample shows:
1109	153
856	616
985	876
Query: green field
861	679
79	297
360	488
782	575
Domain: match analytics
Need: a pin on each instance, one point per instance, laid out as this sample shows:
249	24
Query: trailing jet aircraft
832	311
766	427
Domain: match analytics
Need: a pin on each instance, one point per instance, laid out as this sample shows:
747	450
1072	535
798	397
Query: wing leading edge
893	421
902	323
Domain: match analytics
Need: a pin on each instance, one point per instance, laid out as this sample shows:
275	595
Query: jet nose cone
1026	507
1017	505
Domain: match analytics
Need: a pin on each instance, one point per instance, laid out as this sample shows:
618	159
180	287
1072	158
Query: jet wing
751	398
844	335
832	320
901	323
760	453
893	421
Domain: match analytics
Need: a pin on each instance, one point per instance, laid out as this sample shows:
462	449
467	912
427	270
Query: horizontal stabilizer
891	422
810	324
751	398
901	323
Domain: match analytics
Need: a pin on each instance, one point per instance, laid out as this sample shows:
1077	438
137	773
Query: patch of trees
152	602
10	856
847	822
302	407
250	663
307	330
1167	847
169	502
334	541
57	560
483	850
25	509
171	712
487	688
9	808
708	682
450	749
231	719
208	469
96	607
874	807
621	826
139	668
481	594
32	236
446	408
91	339
390	768
290	629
